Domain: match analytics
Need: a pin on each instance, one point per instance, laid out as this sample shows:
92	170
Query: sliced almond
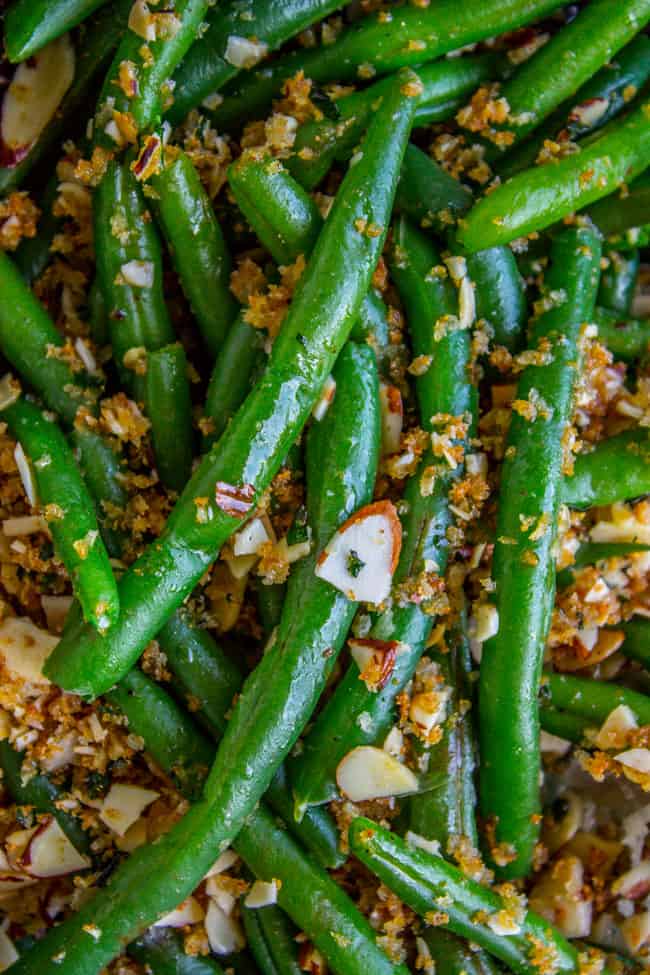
562	821
637	759
50	853
362	556
244	53
189	912
616	728
375	660
636	931
35	93
250	539
56	609
263	893
224	862
25	648
25	525
123	805
634	883
139	274
371	773
224	933
558	896
392	418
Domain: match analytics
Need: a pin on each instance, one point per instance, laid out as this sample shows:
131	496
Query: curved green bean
69	511
523	567
592	699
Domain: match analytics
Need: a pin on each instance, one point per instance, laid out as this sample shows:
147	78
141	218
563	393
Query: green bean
500	294
568	60
33	253
69	511
536	198
230	381
592	699
271	939
382	44
617	469
445	388
251	450
215	57
597	102
162	952
618	281
169	408
427	882
287	221
270	600
320	143
565	725
97	318
627	339
29	26
97	42
103	471
284	217
31	343
637	641
187	219
630	207
129	270
168	732
453	955
39	791
523	568
151	65
206	674
428	194
444	808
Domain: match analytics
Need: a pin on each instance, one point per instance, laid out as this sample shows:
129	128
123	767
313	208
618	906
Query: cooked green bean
249	453
523	568
617	469
564	724
230	381
536	198
162	951
434	888
629	207
103	471
271	939
618	281
169	408
68	509
626	338
637	640
30	26
592	699
198	250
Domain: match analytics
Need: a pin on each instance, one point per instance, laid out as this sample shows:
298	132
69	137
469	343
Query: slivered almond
371	773
362	556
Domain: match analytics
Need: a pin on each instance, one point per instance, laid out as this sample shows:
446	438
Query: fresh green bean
564	724
572	56
380	44
168	732
637	641
630	207
592	699
69	510
103	471
320	143
29	26
93	52
271	939
536	198
129	270
238	35
421	880
617	469
595	103
206	674
251	450
618	281
523	567
39	791
162	952
151	64
187	219
31	343
500	294
169	408
626	338
443	389
230	381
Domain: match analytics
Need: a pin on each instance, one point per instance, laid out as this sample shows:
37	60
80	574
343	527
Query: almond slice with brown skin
33	96
375	660
362	556
371	773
